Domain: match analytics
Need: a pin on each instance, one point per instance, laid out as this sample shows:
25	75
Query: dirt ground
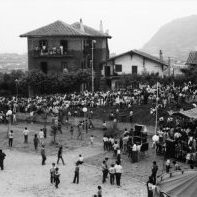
24	176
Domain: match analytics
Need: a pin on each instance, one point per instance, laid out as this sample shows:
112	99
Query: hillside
176	38
12	61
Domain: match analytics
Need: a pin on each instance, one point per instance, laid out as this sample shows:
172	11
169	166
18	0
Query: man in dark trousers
43	154
2	157
105	171
59	155
76	177
154	172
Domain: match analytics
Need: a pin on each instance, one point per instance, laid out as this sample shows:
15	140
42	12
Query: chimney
101	26
107	31
161	55
81	26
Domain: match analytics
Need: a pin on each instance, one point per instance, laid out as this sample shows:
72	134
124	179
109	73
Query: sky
131	23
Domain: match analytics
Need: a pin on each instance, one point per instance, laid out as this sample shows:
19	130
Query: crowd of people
177	139
180	134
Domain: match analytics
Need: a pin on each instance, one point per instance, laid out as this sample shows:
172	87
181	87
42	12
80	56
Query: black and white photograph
98	98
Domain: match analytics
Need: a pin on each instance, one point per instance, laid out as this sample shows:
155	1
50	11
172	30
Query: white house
132	62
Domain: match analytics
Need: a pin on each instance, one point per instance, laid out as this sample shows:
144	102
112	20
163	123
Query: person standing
118	170
11	137
52	173
76	177
36	141
43	154
112	174
154	172
118	155
150	186
86	126
2	157
25	133
57	177
91	139
105	171
131	116
79	131
99	191
41	136
59	155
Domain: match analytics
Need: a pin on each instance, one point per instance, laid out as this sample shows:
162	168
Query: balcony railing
55	52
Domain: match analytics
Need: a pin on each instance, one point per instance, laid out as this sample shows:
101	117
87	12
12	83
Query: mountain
12	61
176	38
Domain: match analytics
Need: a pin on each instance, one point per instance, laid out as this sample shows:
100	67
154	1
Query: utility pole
93	42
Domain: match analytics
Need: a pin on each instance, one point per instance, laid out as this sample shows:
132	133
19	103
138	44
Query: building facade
131	62
60	47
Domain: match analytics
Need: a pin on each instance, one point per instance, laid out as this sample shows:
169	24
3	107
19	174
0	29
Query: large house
60	47
131	62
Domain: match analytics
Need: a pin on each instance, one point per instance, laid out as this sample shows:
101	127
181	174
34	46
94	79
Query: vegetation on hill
176	38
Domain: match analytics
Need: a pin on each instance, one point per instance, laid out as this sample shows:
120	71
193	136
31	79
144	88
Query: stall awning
192	113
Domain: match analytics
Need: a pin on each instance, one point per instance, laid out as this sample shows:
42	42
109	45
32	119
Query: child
10	142
36	141
112	174
91	139
43	154
52	173
104	126
57	177
99	191
167	166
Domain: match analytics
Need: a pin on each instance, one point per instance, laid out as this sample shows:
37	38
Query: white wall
127	62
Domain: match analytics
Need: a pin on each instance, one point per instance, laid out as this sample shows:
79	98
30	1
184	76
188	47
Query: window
118	67
134	69
44	67
43	44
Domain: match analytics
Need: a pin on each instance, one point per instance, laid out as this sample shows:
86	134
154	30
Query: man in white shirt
25	133
41	136
134	153
80	159
118	170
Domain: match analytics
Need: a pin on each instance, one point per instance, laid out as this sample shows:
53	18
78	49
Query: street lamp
93	42
17	81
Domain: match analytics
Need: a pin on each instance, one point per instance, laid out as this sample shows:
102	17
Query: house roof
142	54
90	30
192	58
60	28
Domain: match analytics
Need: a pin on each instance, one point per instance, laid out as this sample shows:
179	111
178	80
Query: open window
64	46
43	44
